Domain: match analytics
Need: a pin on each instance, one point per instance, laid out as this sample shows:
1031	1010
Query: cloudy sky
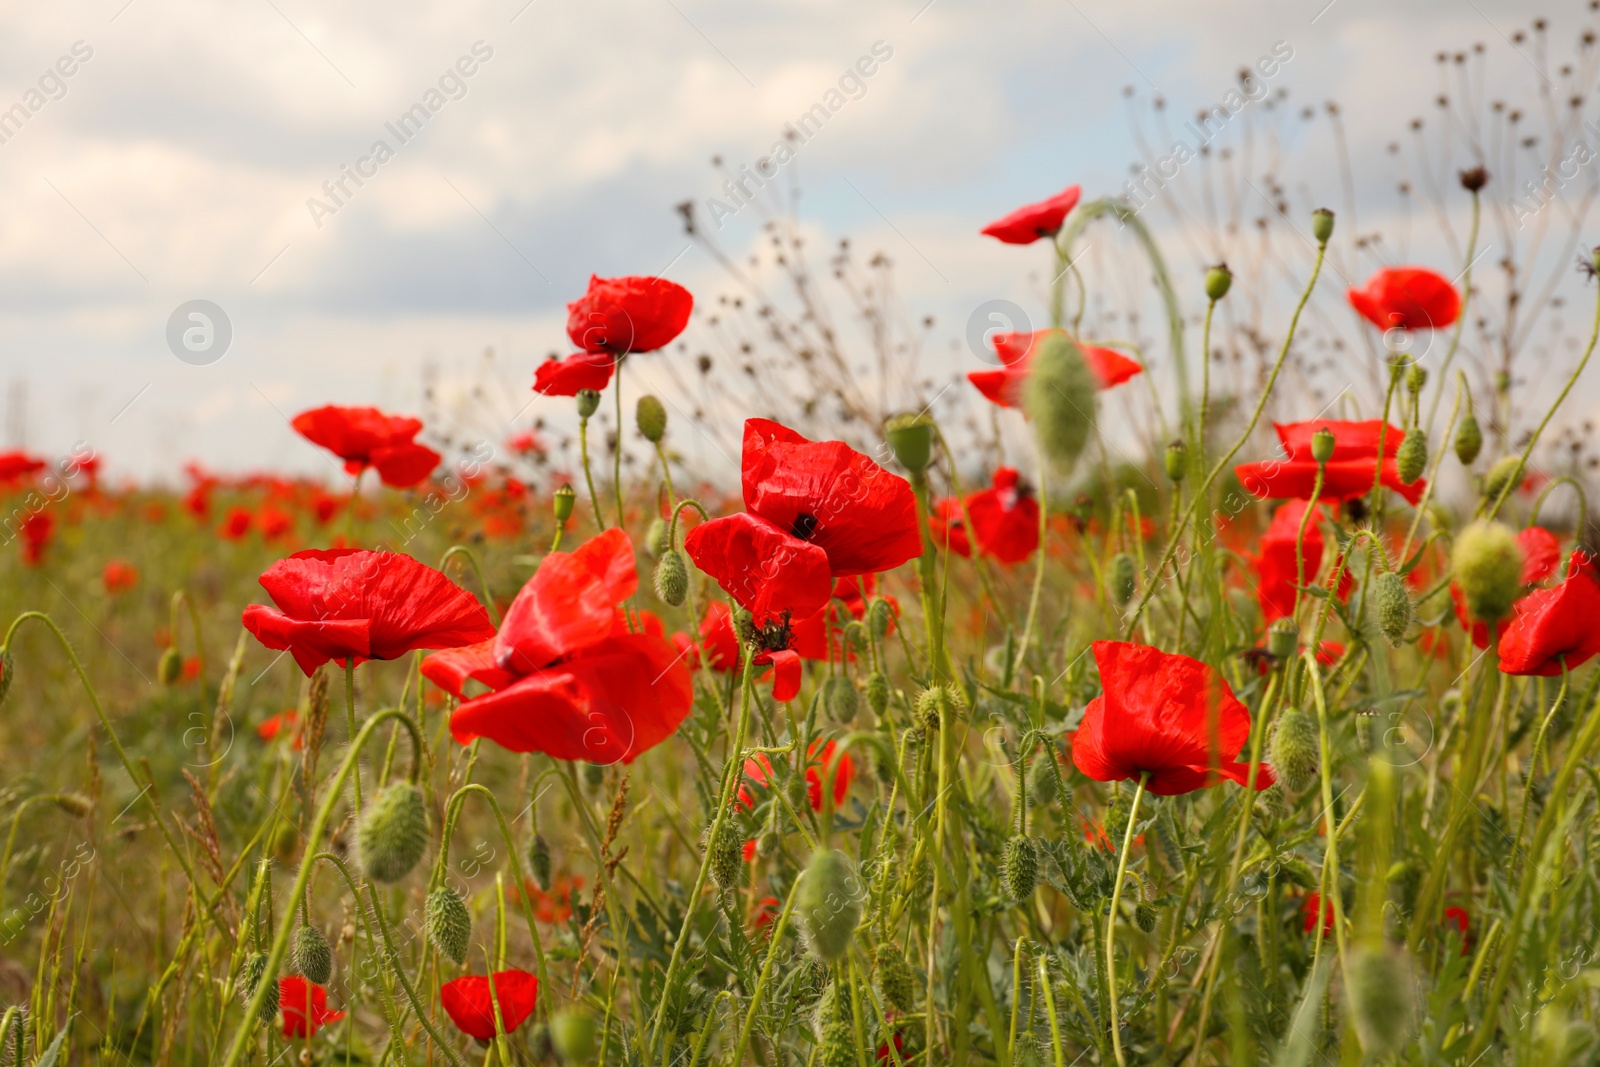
197	148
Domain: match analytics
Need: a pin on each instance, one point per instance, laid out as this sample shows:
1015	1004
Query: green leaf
52	1055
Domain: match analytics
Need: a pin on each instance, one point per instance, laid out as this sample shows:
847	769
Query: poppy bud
1394	606
883	765
1366	726
892	974
726	854
313	956
672	578
1322	225
1295	751
832	1006
838	1046
1176	461
828	906
877	693
563	501
1487	564
539	861
911	438
1296	870
167	669
7	665
1283	639
448	923
1322	445
255	971
1145	915
931	705
1219	280
1379	998
572	1032
1416	378
75	804
840	698
1500	475
650	415
1273	801
1121	579
1412	457
656	539
1019	868
588	402
1059	397
879	615
1474	179
393	833
1469	440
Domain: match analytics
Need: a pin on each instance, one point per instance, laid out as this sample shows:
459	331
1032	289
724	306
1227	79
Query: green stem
1111	919
616	453
483	582
588	474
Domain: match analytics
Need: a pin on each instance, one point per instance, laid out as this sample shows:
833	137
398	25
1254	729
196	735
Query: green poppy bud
1322	225
1121	578
1322	445
893	977
726	854
1219	280
656	540
672	578
911	439
1469	440
1273	801
1412	456
448	923
1283	639
1378	994
168	668
838	1044
539	861
1416	379
313	956
877	693
572	1032
563	501
879	616
1299	872
931	706
393	833
255	971
7	666
1366	722
651	418
588	403
1019	868
1487	564
828	906
840	698
1145	915
75	804
1059	397
1394	606
1176	461
1505	470
1295	750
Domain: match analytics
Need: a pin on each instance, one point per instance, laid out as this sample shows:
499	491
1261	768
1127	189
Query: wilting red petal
1411	298
787	672
304	1007
632	314
761	566
468	1002
1043	219
581	370
1552	626
571	601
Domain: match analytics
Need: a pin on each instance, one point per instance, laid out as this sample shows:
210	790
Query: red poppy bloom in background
1165	715
716	634
236	524
1003	385
1549	625
468	1002
568	678
1350	473
632	314
821	763
1411	298
304	1006
324	506
348	603
1541	555
37	531
1314	906
581	370
17	466
1458	917
269	729
274	522
526	443
1005	518
365	437
1276	567
816	510
1027	224
119	576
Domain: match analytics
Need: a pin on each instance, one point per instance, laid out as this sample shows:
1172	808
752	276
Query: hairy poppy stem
588	475
616	453
1111	918
1461	316
775	940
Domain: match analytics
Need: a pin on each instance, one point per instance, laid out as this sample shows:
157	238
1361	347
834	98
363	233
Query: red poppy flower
1027	224
304	1006
1411	298
1549	626
119	576
820	763
1458	917
633	314
324	506
236	524
17	466
366	437
1328	654
1277	569
467	1000
269	729
1164	715
815	511
526	443
568	677
899	1051
348	603
1005	518
37	531
1541	555
1350	473
716	634
274	522
1003	386
1312	908
764	914
581	370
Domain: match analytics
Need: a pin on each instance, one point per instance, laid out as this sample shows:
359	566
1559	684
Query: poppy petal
581	370
570	601
761	566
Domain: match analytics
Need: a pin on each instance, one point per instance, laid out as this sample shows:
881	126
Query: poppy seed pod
1379	998
650	415
1283	638
255	971
1474	179
1412	457
1469	440
562	502
313	956
1019	867
572	1032
911	439
1294	750
828	906
1322	225
1176	461
656	539
1059	398
892	974
1500	476
877	693
840	698
1487	563
168	668
588	403
539	861
393	833
672	578
448	923
1394	606
1122	578
1219	280
1322	445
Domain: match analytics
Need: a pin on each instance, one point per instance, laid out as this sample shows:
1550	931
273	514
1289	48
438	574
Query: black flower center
805	526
